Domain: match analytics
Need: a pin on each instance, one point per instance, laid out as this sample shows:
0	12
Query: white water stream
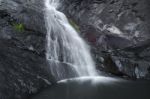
64	45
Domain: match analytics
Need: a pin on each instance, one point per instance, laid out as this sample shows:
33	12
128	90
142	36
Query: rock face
117	30
23	67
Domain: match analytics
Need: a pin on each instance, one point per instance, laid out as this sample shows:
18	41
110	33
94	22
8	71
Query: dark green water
97	88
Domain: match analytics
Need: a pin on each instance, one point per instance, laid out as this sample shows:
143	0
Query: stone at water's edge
23	67
112	27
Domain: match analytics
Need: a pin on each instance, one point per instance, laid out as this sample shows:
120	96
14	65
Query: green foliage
19	27
74	25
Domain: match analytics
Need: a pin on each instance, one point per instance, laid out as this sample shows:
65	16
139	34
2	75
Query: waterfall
64	45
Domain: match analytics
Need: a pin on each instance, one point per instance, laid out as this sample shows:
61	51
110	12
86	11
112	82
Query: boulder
111	26
24	69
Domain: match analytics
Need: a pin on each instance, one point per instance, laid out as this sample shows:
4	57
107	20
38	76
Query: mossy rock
18	27
74	25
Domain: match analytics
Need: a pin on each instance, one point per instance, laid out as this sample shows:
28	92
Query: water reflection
97	88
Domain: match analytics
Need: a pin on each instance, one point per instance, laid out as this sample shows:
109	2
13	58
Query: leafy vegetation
19	27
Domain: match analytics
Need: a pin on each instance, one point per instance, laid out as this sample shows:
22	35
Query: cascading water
64	46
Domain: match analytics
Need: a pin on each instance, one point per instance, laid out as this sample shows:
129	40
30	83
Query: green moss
19	27
74	25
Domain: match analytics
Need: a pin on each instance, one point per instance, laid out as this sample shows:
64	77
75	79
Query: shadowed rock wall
23	67
112	27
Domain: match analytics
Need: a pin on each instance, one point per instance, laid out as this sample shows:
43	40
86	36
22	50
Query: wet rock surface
23	67
117	30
